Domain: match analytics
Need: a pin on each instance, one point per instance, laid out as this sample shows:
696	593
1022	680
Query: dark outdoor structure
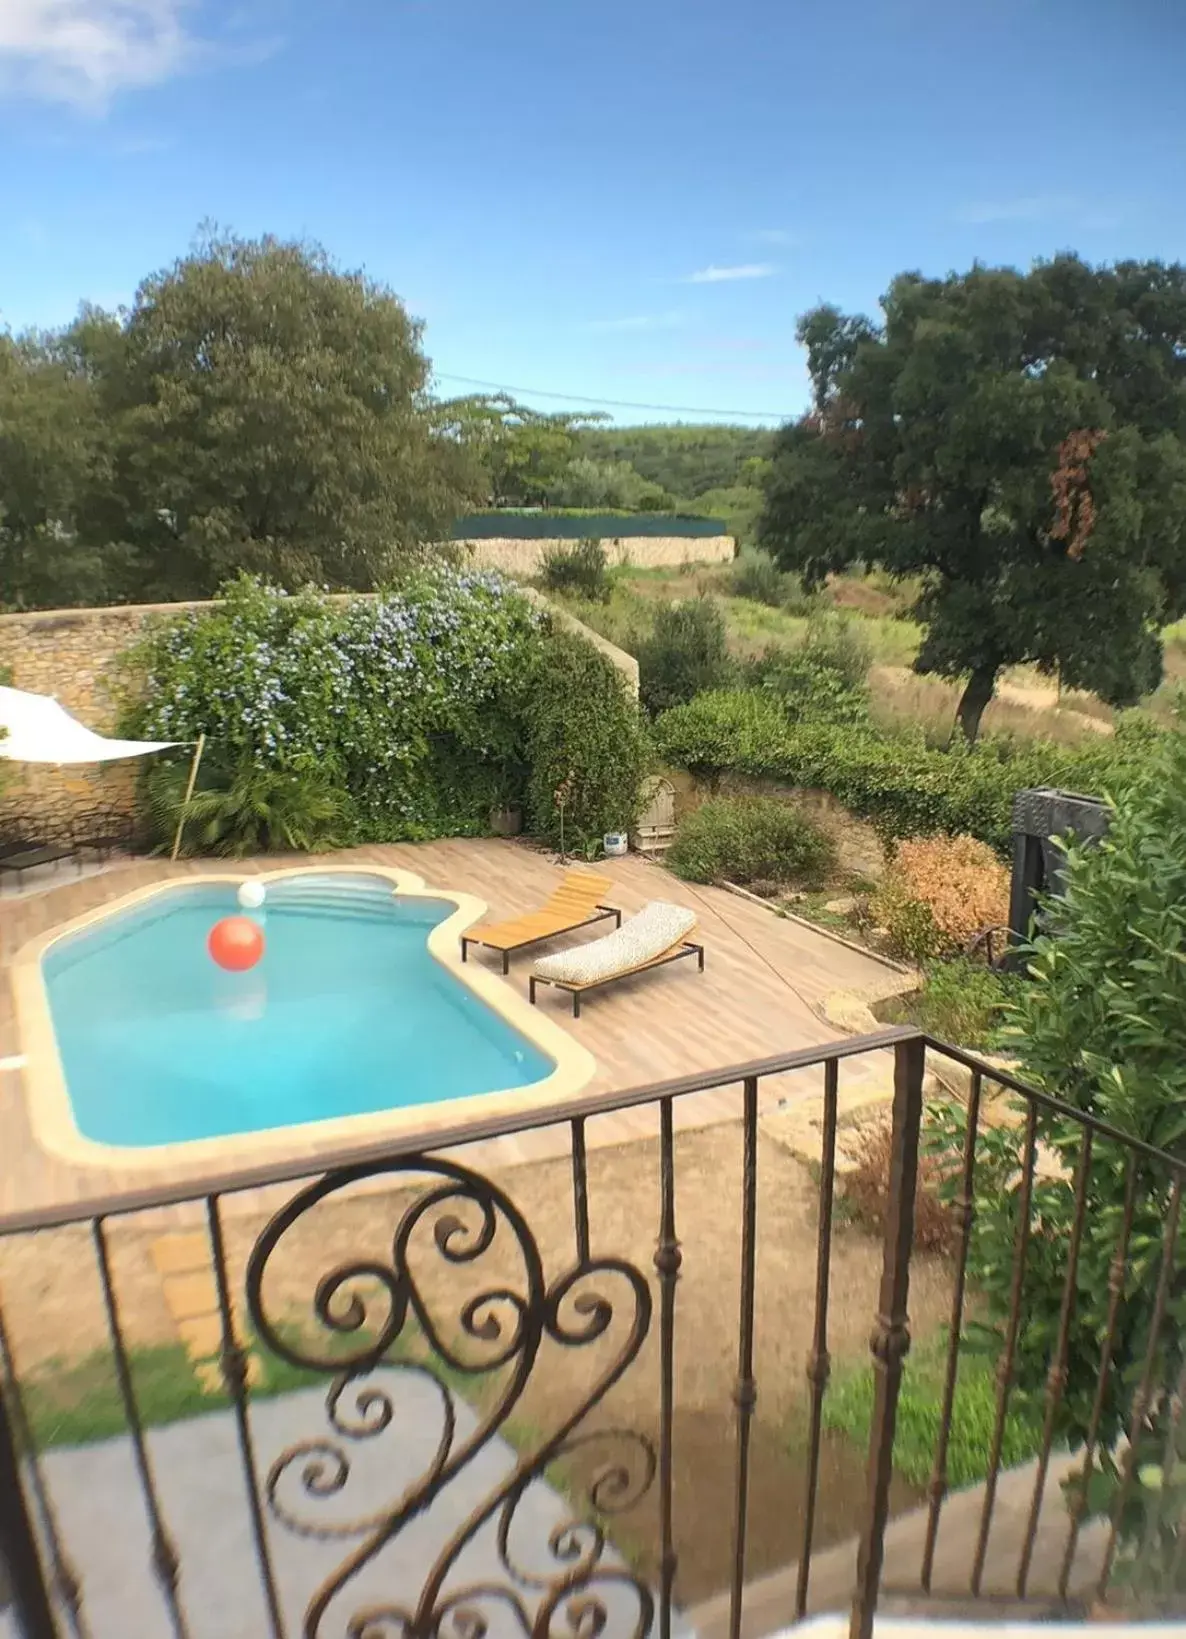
1040	816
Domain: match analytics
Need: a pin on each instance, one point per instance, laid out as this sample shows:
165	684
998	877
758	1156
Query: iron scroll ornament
500	1329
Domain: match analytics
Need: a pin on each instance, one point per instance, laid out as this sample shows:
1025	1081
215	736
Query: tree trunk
977	693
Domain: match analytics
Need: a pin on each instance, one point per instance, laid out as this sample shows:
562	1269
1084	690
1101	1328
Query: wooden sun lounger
673	951
574	904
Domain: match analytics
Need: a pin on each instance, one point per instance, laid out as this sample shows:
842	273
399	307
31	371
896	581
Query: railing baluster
1178	1558
233	1361
1140	1404
819	1362
937	1489
667	1263
63	1576
1009	1353
746	1392
1056	1380
580	1190
891	1337
1116	1272
165	1560
20	1556
1169	1459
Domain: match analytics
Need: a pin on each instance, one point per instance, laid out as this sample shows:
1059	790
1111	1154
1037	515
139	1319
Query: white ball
252	895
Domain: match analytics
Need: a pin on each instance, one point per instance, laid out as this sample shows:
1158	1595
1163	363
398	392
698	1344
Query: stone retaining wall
73	655
525	558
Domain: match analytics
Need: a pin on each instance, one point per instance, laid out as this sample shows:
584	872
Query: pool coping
47	1098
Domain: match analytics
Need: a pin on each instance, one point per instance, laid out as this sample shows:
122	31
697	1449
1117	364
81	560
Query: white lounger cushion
656	928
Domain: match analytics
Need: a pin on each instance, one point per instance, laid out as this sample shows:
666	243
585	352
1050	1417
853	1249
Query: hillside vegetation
1027	704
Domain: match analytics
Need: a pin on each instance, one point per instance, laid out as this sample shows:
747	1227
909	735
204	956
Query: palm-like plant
260	810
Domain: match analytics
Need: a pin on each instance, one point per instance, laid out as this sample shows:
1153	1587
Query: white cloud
723	275
1034	208
85	51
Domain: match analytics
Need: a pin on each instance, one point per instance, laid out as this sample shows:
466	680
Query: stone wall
525	558
73	654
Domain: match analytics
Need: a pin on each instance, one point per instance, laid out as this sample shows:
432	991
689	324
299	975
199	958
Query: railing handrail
478	1129
1057	1106
199	1184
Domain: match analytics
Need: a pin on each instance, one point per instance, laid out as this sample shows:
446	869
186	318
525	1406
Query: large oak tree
255	408
1017	441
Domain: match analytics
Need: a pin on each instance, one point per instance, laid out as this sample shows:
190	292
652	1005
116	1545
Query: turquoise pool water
347	1014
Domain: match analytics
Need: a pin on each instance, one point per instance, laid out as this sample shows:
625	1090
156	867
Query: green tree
588	483
54	464
684	655
267	413
522	453
1016	440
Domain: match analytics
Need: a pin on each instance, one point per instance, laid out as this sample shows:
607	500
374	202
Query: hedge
897	782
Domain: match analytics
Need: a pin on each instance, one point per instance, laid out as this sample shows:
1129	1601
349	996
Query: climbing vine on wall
416	708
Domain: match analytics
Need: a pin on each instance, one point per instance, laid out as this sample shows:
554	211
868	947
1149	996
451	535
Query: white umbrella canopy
34	728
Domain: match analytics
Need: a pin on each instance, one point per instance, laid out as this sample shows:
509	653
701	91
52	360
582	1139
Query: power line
613	403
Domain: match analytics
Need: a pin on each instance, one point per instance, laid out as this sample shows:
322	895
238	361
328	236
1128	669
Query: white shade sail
35	729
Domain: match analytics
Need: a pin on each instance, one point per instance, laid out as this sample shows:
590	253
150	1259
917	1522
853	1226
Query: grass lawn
75	1402
848	1410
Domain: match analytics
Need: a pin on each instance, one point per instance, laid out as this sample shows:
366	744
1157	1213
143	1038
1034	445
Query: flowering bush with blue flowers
412	707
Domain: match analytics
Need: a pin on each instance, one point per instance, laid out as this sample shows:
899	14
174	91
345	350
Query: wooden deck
761	994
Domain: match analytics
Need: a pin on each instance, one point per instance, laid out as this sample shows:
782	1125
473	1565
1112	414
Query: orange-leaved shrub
938	893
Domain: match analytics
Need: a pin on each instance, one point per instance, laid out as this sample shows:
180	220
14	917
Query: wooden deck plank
760	994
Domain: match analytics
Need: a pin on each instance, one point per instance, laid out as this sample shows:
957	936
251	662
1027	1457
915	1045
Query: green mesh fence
570	526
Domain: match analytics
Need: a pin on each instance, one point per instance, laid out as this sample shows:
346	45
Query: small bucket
615	844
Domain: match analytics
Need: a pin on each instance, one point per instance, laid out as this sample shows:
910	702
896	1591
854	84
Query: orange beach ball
236	943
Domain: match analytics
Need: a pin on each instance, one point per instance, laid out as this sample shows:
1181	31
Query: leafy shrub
797	599
755	575
960	1001
584	733
748	839
581	570
684	655
836	642
1101	1024
939	892
866	1192
722	731
811	691
896	782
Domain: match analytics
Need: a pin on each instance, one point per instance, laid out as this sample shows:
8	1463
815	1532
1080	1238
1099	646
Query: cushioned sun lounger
658	934
574	904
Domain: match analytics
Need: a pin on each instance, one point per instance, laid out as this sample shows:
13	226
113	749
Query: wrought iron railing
486	1505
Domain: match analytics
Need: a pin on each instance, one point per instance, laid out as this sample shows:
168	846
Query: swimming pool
349	1014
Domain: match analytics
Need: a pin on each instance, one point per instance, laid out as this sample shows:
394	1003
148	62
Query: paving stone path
199	1478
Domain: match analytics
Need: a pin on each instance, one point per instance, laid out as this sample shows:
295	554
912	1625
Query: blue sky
625	199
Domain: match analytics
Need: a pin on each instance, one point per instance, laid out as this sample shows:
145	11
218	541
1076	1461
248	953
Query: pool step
363	906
